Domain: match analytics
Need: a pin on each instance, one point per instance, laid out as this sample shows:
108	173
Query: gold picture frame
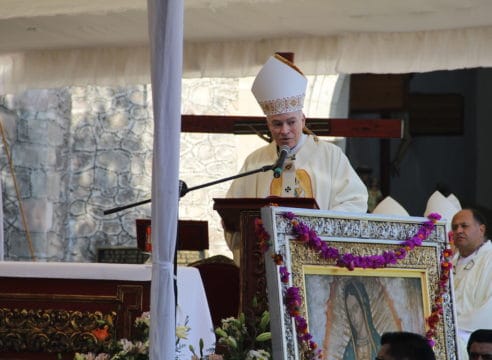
398	297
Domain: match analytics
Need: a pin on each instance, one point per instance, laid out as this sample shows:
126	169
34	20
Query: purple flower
292	293
292	296
289	215
293	301
314	241
284	274
301	324
389	257
306	337
329	252
401	253
302	231
434	216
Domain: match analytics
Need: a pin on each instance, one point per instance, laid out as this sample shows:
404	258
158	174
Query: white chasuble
317	169
472	283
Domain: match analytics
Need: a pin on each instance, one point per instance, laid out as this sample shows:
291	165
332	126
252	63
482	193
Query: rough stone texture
81	150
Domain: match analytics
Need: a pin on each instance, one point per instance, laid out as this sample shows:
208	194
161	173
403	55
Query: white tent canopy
57	43
53	43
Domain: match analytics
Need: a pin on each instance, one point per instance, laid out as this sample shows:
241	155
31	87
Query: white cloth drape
356	52
166	45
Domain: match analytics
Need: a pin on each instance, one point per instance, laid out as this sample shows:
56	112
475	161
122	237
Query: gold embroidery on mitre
288	63
282	105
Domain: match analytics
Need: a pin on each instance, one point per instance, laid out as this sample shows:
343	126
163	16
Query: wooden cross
244	125
383	129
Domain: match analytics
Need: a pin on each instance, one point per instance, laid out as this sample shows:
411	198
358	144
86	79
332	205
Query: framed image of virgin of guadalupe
338	281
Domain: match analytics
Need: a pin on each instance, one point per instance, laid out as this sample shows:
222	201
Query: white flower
182	332
143	319
126	345
127	349
92	356
257	355
141	347
102	356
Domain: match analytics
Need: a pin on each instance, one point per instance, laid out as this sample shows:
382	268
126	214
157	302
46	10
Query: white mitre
279	87
447	207
454	200
389	206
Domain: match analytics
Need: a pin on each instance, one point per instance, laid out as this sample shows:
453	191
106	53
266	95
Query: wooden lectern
239	215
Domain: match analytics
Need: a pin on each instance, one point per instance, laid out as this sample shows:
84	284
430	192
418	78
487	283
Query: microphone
279	165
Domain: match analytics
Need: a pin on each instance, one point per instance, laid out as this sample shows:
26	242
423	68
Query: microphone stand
184	189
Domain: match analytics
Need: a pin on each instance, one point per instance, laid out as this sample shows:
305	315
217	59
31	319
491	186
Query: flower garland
442	288
310	238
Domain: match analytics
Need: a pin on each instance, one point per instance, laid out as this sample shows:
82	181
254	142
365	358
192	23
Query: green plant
137	348
245	339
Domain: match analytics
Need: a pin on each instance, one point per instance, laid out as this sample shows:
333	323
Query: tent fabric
166	45
391	52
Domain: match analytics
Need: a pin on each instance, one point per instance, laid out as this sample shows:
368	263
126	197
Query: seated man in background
472	280
480	345
404	346
312	168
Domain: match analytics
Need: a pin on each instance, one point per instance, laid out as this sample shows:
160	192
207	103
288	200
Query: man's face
479	350
468	234
286	129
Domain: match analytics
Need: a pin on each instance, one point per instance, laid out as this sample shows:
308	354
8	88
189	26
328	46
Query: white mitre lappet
447	207
279	87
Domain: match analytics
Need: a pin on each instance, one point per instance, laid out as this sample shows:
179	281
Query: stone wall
79	151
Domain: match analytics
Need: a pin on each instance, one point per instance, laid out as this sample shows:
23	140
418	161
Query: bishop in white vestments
313	168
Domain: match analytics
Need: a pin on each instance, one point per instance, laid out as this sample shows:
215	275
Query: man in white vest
472	275
313	168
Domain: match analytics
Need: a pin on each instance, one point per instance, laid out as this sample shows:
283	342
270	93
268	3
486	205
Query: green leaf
264	336
221	332
265	320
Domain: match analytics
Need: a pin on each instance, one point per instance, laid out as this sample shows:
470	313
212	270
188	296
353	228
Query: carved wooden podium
239	215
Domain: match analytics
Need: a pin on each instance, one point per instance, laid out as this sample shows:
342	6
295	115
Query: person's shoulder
259	153
327	147
486	254
487	248
325	143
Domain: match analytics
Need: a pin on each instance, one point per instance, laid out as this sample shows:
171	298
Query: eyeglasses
476	356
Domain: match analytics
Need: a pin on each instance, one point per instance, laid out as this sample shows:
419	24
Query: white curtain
345	54
166	45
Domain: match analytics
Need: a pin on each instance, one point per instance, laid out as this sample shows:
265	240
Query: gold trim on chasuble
301	185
